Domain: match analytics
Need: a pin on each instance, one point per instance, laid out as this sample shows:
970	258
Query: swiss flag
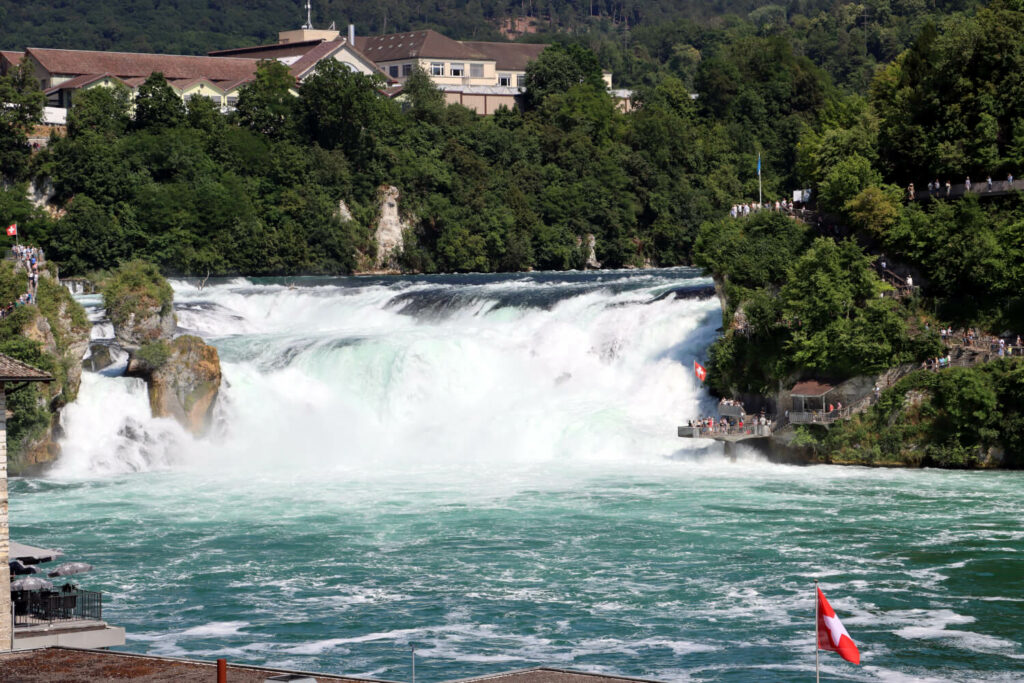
12	229
831	634
699	370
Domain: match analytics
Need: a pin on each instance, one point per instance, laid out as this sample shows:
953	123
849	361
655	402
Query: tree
342	109
157	105
100	110
426	101
558	68
875	209
267	104
21	108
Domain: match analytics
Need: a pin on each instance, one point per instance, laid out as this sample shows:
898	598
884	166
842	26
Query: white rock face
344	213
389	229
592	261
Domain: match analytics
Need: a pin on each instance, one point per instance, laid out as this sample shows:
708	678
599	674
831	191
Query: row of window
456	70
232	100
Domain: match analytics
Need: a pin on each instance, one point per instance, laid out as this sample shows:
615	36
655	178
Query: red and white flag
12	229
699	370
831	634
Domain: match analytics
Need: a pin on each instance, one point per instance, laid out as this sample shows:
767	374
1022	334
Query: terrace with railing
34	608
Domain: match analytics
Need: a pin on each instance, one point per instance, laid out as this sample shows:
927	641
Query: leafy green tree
21	108
341	109
558	68
157	105
103	110
267	105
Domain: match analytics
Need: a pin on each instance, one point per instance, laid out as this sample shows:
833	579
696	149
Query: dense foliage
136	287
957	418
798	307
34	406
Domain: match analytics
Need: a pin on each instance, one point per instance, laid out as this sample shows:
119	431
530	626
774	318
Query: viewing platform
732	425
979	189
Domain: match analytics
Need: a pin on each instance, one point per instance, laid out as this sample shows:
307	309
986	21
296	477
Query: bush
134	288
154	354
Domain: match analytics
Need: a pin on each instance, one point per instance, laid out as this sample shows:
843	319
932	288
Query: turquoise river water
485	469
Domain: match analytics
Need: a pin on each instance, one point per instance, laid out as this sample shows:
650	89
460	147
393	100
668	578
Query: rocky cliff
183	377
60	329
390	228
183	374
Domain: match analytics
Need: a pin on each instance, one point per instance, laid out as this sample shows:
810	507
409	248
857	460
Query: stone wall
6	635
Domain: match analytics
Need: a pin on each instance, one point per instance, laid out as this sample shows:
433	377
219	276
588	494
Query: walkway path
980	189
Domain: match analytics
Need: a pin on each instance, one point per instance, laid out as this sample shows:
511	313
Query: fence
45	607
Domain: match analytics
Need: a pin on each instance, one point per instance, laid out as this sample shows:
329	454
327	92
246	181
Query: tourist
910	283
910	191
988	184
1009	181
949	188
938	186
967	185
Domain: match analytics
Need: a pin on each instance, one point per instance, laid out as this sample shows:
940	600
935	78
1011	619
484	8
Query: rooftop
59	664
51	665
424	44
12	370
507	56
127	64
811	388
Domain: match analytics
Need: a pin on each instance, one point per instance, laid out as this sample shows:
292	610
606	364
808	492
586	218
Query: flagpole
817	655
759	200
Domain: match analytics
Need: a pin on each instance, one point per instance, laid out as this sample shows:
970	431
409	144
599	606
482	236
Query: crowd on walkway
938	189
29	258
753	424
782	205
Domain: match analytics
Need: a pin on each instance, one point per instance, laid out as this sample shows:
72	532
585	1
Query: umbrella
19	568
32	583
69	568
28	553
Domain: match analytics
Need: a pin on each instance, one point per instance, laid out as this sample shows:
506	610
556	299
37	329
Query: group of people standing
937	189
748	208
28	258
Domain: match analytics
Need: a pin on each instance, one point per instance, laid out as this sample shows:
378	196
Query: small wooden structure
14	375
808	405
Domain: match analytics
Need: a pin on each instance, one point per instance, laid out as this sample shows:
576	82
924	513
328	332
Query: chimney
352	34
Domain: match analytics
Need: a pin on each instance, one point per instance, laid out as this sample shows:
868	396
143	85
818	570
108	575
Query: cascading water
486	467
347	374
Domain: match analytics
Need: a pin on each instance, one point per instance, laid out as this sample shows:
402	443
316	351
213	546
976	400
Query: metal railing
33	608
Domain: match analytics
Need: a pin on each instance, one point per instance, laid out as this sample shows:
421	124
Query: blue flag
758	164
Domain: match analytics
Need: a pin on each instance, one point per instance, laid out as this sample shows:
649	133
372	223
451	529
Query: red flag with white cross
699	370
831	634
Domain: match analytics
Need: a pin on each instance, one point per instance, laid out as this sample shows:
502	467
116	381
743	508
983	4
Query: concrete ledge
90	634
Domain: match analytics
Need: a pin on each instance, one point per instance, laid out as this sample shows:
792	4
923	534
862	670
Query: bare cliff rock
183	377
390	227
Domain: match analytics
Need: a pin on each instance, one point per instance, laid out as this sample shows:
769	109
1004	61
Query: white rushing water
417	375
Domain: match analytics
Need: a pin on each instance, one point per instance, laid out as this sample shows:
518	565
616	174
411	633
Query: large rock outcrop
183	377
61	328
390	228
140	304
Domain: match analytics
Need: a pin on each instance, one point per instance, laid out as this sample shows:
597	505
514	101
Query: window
232	100
407	69
215	99
458	70
393	71
504	79
437	68
476	70
521	80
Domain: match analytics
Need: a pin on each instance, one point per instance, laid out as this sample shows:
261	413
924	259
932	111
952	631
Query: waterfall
381	374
